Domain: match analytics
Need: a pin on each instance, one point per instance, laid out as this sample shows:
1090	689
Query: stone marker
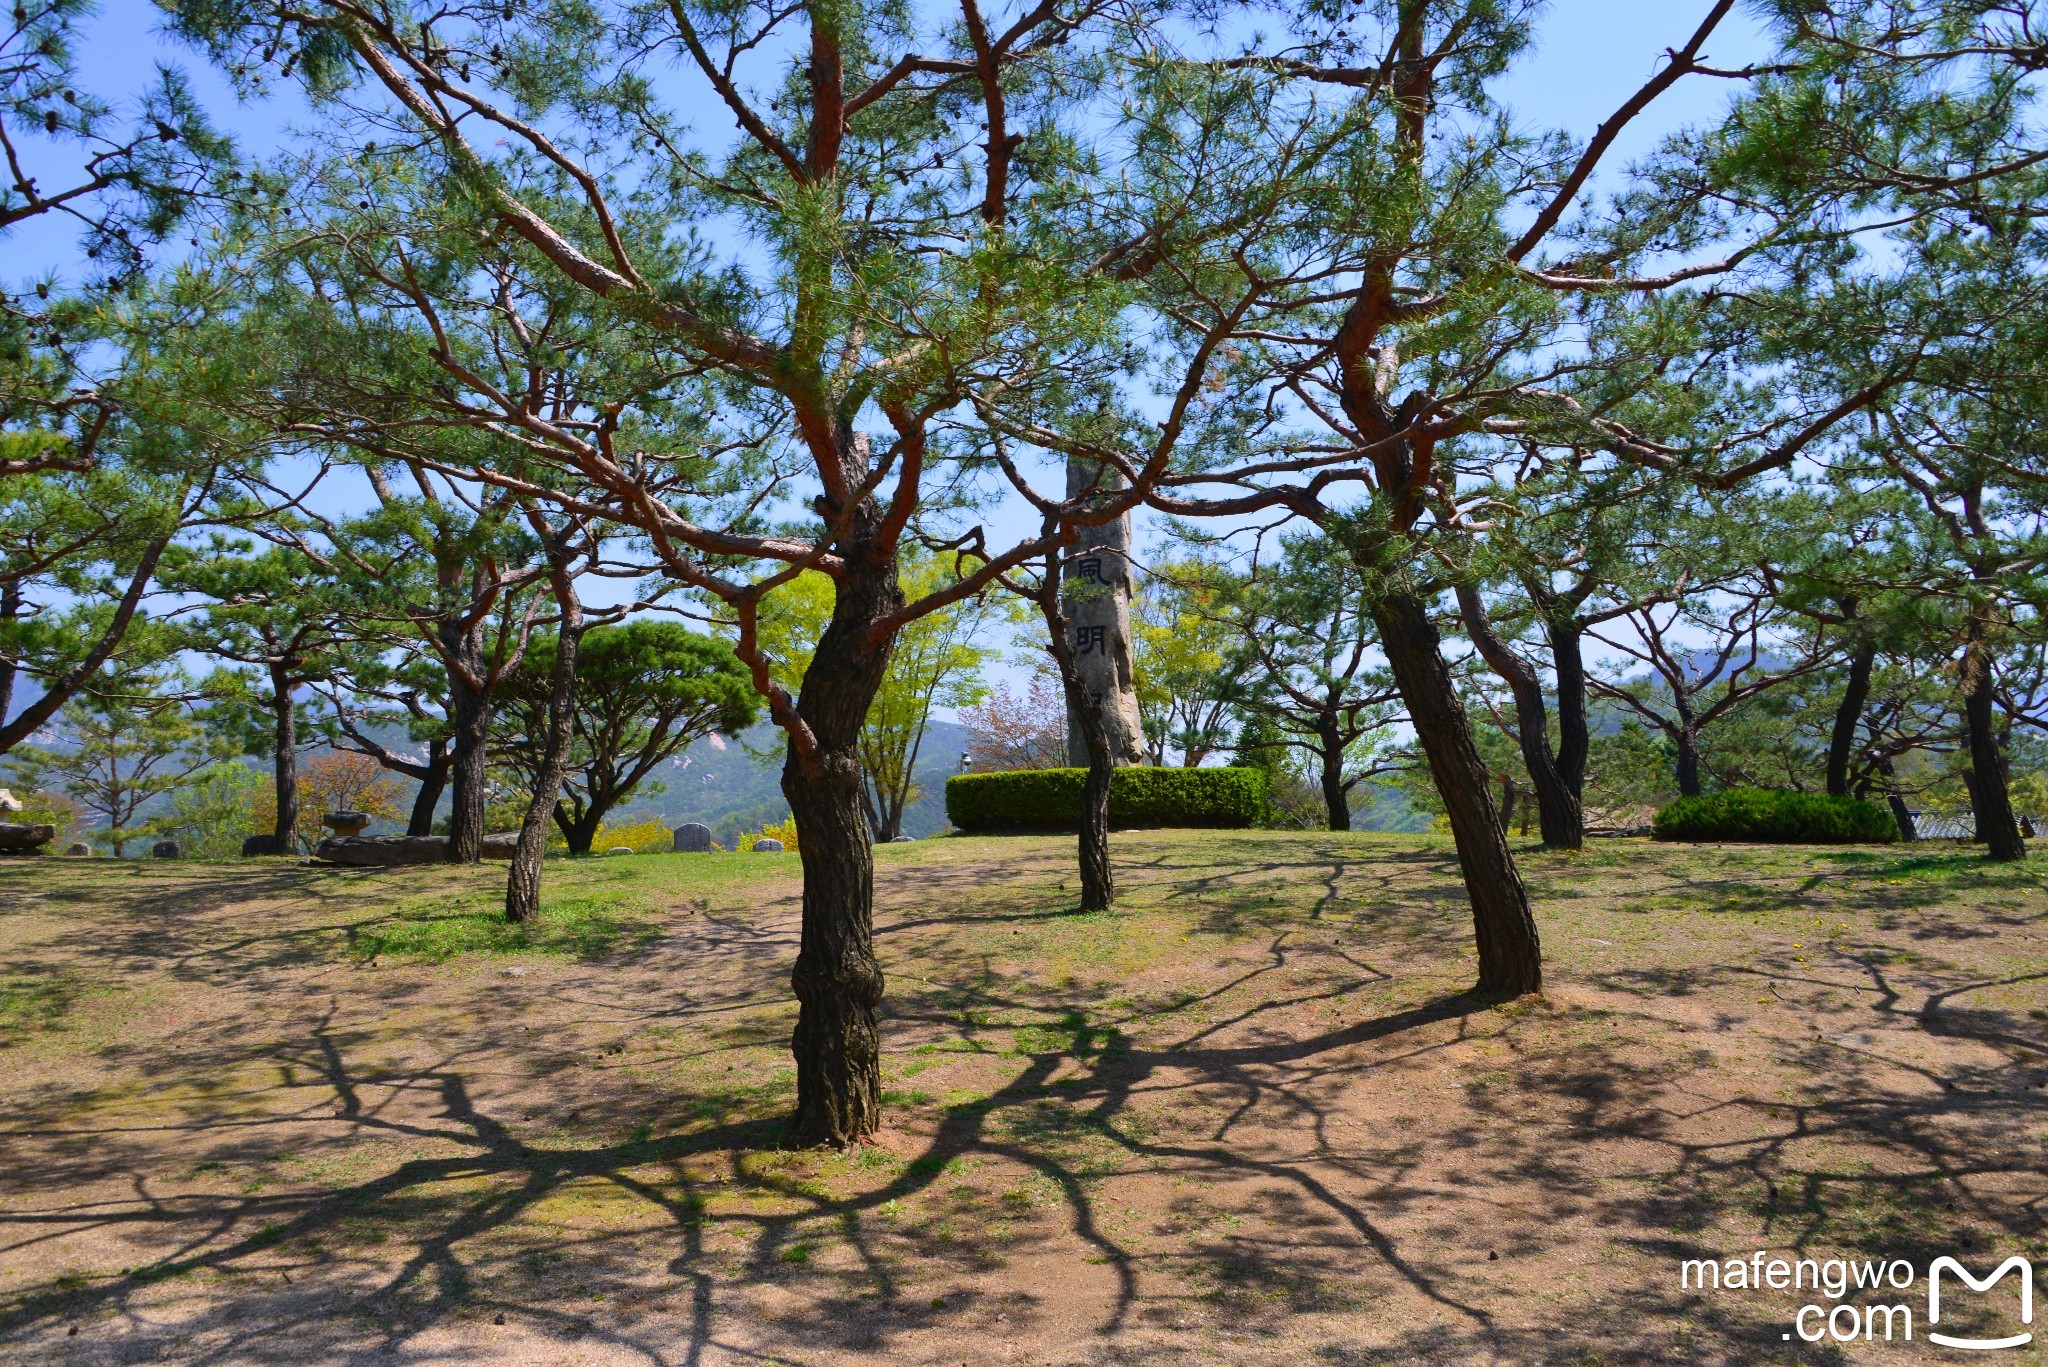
620	849
347	824
693	837
260	844
78	849
25	837
391	851
767	846
904	840
165	849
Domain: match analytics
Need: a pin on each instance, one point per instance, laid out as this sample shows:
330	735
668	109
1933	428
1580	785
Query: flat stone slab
25	837
393	851
693	837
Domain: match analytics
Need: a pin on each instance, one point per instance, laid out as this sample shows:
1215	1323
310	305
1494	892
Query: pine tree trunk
1688	761
1510	953
285	762
10	668
1574	739
466	775
432	784
1558	811
522	887
1336	797
582	832
1848	718
1085	716
1996	825
1908	832
838	983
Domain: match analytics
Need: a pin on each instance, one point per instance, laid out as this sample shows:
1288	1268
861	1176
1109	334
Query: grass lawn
256	1112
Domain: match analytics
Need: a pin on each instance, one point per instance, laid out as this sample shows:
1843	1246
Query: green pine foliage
1038	798
1776	816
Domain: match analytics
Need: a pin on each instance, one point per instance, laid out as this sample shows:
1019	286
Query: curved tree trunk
433	782
522	886
1908	832
1510	953
285	761
838	984
1996	825
1558	810
1849	717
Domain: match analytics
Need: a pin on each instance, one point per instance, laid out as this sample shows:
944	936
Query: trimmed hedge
1026	799
1776	816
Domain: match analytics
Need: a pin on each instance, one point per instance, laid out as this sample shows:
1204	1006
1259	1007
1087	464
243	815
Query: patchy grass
258	1112
585	927
31	1003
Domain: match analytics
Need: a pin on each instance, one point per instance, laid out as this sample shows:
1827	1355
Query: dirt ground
261	1113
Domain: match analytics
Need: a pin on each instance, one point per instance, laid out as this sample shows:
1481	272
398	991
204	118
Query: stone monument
1095	593
347	825
693	837
25	837
391	851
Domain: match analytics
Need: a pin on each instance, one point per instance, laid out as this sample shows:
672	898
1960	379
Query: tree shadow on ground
1221	1148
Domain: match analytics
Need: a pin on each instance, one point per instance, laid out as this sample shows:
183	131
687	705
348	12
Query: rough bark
1510	953
1688	761
1558	810
285	762
1848	718
466	772
10	668
1087	713
1990	800
1336	793
1574	738
838	983
522	886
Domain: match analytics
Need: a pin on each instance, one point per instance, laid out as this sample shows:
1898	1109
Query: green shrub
1776	816
1026	799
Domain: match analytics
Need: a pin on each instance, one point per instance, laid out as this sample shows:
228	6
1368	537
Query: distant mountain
735	786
